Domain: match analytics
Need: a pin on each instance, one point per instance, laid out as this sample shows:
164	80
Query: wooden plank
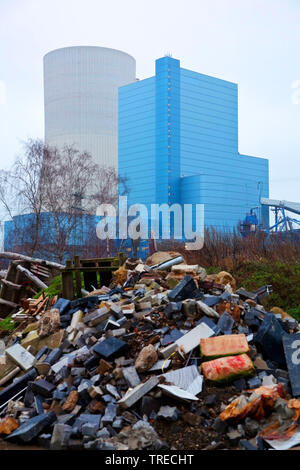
17	256
10	376
92	269
32	277
77	276
40	307
11	284
67	282
39	273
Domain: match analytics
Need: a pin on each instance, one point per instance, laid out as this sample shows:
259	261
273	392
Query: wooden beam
9	376
11	284
32	277
8	303
17	256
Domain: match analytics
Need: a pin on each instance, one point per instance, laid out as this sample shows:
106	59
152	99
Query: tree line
57	191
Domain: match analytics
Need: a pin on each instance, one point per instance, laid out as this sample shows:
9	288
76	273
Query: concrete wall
81	99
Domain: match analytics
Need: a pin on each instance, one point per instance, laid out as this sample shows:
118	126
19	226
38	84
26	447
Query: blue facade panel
183	126
137	140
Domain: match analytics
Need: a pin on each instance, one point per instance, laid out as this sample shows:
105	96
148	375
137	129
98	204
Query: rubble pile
160	359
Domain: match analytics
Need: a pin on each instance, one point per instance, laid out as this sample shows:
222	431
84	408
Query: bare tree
21	192
58	190
108	185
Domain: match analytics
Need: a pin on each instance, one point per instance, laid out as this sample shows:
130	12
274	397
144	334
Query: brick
103	367
71	401
8	425
43	387
221	346
97	317
184	290
110	348
95	392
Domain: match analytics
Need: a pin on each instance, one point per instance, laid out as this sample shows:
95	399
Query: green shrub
284	278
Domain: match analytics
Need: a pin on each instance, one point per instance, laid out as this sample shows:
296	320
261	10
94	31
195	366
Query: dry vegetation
254	262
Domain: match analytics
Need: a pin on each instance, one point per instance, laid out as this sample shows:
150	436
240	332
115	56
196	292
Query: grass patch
8	324
55	288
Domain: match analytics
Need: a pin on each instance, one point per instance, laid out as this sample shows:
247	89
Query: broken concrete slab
191	340
210	312
225	323
32	427
98	316
184	290
186	378
60	436
162	363
178	393
171	337
169	413
42	387
131	397
68	358
270	336
20	356
52	341
110	414
131	376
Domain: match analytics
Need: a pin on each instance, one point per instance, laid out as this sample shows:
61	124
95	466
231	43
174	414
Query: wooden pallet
22	281
96	271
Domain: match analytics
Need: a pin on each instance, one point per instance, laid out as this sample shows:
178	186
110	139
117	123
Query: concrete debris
146	359
161	348
49	323
170	413
20	356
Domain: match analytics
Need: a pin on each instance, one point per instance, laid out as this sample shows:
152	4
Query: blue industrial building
70	233
178	143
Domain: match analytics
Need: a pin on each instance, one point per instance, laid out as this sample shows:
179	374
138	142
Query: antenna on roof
168	54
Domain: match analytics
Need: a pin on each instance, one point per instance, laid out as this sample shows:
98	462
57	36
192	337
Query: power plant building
81	99
178	143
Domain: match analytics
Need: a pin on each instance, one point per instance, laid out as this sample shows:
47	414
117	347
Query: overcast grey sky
255	43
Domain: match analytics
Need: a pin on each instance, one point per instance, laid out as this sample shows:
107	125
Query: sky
255	43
